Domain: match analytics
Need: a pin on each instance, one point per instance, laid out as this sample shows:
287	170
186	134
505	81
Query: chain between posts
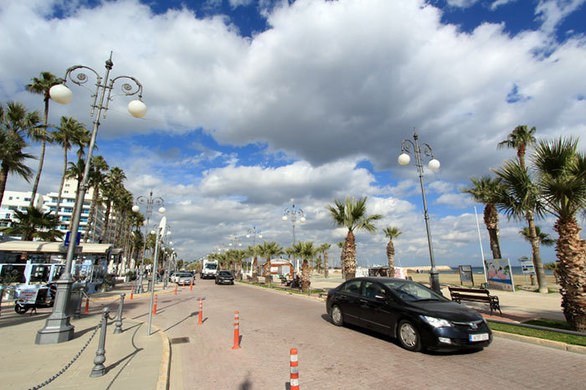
51	379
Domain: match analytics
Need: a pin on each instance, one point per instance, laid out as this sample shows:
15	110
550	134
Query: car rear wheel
408	336
337	316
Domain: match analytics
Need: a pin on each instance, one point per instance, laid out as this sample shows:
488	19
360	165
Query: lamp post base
434	280
58	328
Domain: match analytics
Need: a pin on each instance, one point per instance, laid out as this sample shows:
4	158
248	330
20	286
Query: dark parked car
224	277
418	317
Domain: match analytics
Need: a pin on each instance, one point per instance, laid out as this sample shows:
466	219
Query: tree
487	190
41	86
352	215
561	178
35	223
544	238
268	250
253	252
15	122
69	132
323	248
96	178
520	139
112	188
391	232
521	199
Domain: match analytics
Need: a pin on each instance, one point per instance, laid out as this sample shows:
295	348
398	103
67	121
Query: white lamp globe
162	210
434	165
260	236
135	208
404	159
137	108
284	218
61	94
302	219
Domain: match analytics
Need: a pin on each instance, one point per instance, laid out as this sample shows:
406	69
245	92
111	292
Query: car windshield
225	273
211	266
412	292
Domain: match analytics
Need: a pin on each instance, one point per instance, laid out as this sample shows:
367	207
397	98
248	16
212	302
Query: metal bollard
99	368
77	310
118	328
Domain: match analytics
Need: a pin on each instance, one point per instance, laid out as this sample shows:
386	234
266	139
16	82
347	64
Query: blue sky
254	103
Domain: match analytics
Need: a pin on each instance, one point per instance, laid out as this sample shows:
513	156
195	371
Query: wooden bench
460	294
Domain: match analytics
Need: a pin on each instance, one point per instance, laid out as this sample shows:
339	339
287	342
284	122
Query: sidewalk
133	359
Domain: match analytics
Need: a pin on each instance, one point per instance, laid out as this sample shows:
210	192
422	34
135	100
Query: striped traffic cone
294	378
199	322
155	305
236	330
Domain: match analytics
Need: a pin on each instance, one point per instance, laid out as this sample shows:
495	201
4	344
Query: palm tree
112	186
520	138
35	223
15	122
268	250
544	238
307	252
486	190
253	252
352	215
97	176
69	132
41	86
561	171
521	199
323	248
391	232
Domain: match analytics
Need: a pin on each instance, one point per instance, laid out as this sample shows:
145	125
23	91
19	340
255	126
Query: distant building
14	200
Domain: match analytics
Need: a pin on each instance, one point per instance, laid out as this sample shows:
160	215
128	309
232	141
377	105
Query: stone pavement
136	360
133	359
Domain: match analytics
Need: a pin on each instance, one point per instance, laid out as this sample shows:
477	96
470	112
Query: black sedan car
224	277
418	317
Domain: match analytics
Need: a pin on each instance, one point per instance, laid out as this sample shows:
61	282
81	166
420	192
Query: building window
66	218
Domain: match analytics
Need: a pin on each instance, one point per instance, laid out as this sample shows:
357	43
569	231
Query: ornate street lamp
293	213
149	203
413	147
160	233
253	232
58	326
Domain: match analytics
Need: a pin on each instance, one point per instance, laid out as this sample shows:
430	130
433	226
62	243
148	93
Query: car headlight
437	322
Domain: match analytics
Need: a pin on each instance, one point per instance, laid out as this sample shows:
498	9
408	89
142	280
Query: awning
52	247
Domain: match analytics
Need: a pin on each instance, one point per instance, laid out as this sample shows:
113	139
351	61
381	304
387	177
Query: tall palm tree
521	200
70	132
562	181
391	232
34	223
268	250
253	251
323	248
544	238
352	215
97	176
41	86
15	122
487	190
307	252
113	184
520	138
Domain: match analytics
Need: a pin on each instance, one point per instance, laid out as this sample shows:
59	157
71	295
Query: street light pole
413	147
58	326
293	212
149	203
160	232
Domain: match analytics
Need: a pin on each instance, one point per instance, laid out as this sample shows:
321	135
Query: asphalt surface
182	354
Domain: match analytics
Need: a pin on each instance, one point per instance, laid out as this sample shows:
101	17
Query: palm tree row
552	183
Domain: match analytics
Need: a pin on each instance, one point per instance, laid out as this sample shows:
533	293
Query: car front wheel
337	316
408	336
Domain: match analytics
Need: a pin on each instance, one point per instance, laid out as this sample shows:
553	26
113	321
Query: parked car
224	277
184	277
415	315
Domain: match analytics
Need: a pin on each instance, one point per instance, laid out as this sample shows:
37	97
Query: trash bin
74	304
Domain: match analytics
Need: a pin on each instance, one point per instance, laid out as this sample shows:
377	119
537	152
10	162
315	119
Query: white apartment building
20	200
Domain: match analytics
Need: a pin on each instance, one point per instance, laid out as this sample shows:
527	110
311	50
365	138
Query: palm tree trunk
38	176
349	256
537	263
491	220
326	265
254	270
305	282
62	182
3	176
391	258
571	254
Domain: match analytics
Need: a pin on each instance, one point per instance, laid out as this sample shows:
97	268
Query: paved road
331	357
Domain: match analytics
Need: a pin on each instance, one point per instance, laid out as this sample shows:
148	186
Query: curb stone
546	343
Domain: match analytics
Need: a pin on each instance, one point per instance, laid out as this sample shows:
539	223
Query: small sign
466	275
68	238
499	275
